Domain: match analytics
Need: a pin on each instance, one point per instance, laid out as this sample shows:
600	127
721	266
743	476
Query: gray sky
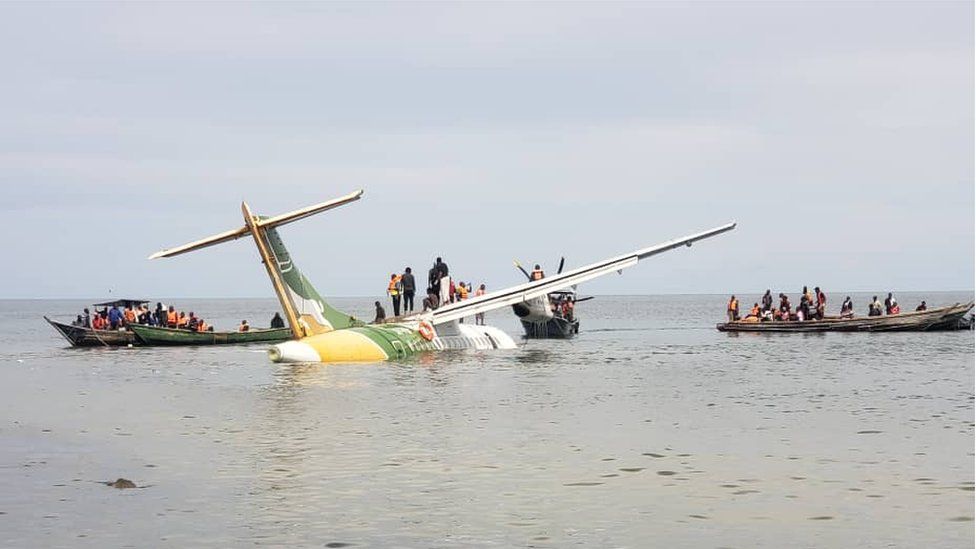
839	135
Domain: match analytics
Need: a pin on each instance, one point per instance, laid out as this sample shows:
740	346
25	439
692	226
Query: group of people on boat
441	289
812	306
116	318
276	323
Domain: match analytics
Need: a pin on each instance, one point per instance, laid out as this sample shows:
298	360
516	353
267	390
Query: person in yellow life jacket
182	321
201	325
462	291
393	289
172	319
733	309
129	315
537	273
244	327
755	310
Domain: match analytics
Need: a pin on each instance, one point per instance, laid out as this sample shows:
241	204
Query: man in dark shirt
277	322
380	314
86	319
409	287
767	301
443	281
887	305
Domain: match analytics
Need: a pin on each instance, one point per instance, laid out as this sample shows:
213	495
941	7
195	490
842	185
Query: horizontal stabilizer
538	288
269	222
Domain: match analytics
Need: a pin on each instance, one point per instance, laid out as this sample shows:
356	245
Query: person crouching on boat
753	315
244	327
847	308
201	325
874	309
921	307
733	309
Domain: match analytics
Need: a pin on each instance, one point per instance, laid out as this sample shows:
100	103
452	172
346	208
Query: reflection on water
650	426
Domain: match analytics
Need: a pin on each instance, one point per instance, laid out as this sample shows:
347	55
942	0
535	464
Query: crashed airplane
325	334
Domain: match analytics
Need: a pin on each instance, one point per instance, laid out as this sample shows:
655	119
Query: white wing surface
530	290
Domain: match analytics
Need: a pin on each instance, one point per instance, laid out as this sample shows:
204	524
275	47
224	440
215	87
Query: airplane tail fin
307	312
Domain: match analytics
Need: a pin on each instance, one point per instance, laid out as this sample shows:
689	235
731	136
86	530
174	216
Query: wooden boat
155	335
942	318
80	336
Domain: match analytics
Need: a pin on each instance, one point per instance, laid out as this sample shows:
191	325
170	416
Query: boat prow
80	336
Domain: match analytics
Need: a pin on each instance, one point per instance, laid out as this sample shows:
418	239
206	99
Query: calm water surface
650	429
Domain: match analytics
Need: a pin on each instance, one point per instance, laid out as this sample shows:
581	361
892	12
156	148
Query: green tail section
309	305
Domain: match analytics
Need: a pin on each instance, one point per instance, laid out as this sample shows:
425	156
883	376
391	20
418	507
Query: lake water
651	429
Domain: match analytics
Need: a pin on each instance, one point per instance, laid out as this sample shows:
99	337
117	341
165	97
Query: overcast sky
839	136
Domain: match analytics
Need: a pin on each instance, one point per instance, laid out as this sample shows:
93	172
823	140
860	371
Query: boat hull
553	328
155	336
942	318
80	336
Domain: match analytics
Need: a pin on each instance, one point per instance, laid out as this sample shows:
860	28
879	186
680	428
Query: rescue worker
479	318
115	317
462	291
733	309
888	304
172	319
99	322
277	322
445	292
409	287
874	309
244	327
537	273
160	314
380	314
191	322
821	302
182	321
86	318
201	325
921	307
129	315
847	308
767	301
393	290
754	312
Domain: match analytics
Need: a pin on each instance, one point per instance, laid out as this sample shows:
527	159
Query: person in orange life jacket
821	302
393	290
244	327
182	321
733	309
172	319
129	315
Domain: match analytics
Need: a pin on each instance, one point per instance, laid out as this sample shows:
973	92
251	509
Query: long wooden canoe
80	336
942	318
155	335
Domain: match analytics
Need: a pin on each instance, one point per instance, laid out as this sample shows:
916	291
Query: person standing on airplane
409	287
393	290
537	273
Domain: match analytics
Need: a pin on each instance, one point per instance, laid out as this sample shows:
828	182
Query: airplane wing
269	222
530	290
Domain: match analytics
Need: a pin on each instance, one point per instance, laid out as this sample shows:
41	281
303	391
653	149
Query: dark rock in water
122	483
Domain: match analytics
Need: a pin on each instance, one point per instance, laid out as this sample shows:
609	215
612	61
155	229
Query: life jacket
754	311
201	326
895	309
733	304
463	291
98	323
394	287
538	274
183	321
172	319
130	315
